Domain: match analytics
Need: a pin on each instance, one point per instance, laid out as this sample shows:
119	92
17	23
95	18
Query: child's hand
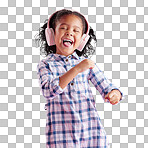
114	97
84	65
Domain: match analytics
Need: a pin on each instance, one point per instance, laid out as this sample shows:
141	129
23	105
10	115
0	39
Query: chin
69	51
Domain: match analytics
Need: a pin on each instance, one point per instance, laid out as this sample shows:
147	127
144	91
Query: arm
52	86
68	76
102	84
49	84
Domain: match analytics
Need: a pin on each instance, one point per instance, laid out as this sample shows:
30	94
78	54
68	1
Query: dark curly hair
41	42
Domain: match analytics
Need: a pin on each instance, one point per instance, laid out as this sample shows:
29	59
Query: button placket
67	64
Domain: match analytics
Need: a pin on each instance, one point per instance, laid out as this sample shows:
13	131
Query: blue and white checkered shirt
72	119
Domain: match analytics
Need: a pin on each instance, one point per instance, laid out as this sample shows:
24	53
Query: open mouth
67	42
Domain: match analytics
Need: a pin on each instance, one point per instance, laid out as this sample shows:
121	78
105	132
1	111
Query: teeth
67	41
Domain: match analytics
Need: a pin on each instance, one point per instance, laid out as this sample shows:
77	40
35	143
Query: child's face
68	33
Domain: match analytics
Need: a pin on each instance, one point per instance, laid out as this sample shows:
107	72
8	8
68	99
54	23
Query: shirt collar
57	56
75	55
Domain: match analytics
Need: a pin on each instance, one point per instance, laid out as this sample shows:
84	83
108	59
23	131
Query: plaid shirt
72	119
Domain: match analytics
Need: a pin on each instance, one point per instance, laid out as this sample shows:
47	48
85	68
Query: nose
69	33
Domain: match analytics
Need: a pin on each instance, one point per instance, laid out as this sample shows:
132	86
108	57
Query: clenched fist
84	65
114	97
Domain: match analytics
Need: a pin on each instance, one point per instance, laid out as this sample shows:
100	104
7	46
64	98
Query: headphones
49	33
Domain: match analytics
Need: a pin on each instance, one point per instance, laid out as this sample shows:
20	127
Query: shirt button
66	60
72	84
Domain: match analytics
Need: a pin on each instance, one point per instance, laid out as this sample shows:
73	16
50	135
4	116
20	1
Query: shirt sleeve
49	84
101	83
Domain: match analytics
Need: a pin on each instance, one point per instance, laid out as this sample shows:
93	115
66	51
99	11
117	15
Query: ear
83	42
49	33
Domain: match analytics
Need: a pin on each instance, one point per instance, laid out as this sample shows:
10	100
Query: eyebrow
68	25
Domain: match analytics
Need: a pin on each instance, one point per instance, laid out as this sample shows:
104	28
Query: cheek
57	37
57	33
79	39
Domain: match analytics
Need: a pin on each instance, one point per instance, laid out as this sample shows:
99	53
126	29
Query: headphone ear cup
83	42
49	33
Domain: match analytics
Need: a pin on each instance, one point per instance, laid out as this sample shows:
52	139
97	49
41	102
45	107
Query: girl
72	119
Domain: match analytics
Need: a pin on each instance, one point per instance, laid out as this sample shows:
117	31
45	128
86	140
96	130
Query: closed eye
76	31
63	28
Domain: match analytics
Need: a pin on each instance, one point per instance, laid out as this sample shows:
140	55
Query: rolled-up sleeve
101	83
49	83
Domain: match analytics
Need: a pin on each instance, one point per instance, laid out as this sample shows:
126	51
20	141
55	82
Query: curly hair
45	49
